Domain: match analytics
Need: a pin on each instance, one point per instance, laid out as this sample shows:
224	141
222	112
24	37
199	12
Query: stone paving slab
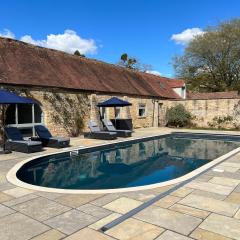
234	197
181	223
182	192
201	234
4	211
222	225
32	208
167	201
122	205
71	221
17	192
169	235
76	200
102	222
49	195
50	235
210	187
235	175
225	181
95	211
19	200
190	211
237	189
209	194
140	195
20	227
105	199
237	215
211	205
135	230
6	186
4	197
88	234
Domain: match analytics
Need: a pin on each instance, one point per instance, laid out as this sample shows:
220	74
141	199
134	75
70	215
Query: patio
205	209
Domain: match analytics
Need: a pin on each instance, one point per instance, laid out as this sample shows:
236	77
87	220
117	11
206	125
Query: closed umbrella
7	98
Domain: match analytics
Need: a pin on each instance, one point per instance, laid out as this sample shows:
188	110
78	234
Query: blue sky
105	29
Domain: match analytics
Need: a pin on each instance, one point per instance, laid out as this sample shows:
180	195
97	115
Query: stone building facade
67	89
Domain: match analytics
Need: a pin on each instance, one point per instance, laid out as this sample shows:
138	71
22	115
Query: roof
213	95
28	65
176	83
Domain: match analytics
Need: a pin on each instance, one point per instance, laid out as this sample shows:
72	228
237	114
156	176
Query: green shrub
178	116
219	122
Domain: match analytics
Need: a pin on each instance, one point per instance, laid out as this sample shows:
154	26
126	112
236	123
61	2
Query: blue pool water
130	164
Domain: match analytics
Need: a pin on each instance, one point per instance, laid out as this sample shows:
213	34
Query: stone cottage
68	88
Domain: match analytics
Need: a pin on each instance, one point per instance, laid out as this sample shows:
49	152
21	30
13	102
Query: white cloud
69	42
187	35
7	34
154	72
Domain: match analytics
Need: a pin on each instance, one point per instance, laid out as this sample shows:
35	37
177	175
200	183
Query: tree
211	61
132	63
77	53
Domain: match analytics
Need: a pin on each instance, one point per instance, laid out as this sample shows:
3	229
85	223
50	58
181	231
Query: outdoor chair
120	133
96	133
16	142
48	140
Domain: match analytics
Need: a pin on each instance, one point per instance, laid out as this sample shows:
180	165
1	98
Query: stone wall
57	103
205	110
62	110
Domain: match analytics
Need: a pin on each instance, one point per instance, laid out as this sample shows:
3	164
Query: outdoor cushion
42	131
48	140
120	133
27	142
13	133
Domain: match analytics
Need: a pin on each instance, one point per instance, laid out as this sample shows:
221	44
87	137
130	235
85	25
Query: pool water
128	164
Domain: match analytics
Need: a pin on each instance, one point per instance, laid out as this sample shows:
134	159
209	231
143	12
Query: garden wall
205	111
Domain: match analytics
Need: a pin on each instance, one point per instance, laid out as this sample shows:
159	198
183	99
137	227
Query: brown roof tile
28	65
176	83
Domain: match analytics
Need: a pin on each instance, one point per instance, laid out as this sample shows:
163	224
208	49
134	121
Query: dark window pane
10	115
37	113
24	113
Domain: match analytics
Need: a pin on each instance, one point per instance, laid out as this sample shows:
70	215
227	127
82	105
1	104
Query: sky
151	31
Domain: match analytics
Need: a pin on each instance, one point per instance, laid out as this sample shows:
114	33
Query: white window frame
27	125
142	106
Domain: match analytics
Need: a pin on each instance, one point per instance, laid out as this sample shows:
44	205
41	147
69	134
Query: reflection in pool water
126	165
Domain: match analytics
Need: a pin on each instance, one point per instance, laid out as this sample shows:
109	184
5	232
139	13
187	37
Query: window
24	117
142	110
117	112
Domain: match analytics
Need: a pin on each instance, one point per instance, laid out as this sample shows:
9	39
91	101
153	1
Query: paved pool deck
207	208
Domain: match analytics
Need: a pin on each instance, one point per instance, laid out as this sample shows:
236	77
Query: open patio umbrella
114	102
7	98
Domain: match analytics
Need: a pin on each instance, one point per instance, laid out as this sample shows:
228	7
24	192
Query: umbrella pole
115	117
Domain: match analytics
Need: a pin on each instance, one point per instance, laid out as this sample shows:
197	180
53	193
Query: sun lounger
48	140
16	142
96	133
120	133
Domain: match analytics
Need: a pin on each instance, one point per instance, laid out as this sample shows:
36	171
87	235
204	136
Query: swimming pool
128	164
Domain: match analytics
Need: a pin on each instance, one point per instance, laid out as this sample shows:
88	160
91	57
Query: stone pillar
126	110
155	117
95	114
